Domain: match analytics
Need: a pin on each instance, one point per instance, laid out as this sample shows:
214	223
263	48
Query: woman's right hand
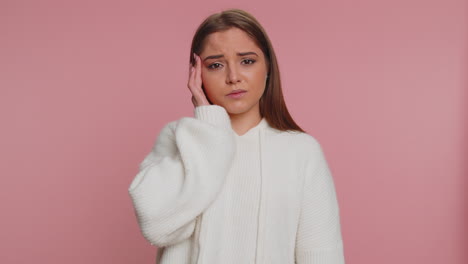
195	83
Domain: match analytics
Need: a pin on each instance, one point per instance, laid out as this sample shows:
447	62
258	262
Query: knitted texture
206	195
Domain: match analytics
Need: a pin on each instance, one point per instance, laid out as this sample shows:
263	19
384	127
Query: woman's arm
319	238
182	175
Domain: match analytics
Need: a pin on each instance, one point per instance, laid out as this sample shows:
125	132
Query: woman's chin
236	108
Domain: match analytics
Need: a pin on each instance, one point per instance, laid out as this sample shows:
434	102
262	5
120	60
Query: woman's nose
232	75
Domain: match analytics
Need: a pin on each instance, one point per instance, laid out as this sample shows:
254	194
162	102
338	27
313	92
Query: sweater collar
262	124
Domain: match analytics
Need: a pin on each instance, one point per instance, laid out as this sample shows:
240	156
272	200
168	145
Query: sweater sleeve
182	175
319	239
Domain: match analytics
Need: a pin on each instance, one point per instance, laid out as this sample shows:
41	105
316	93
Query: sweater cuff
213	114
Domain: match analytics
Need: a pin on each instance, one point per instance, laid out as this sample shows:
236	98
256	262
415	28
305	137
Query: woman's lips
236	95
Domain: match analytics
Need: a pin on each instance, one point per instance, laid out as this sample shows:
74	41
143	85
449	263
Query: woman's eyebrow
238	54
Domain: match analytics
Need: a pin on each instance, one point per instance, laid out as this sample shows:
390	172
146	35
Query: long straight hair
272	105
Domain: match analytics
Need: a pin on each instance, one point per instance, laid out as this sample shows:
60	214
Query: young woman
240	182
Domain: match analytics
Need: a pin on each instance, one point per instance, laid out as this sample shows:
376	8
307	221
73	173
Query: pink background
87	86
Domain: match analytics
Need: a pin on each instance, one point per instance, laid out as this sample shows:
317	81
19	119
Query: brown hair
272	105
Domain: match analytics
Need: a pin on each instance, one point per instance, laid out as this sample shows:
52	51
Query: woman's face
231	60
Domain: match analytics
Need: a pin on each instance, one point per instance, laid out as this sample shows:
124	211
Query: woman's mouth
236	95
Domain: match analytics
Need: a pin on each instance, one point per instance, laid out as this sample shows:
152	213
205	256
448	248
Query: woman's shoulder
297	139
302	137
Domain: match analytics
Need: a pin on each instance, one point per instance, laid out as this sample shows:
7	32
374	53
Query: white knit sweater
205	195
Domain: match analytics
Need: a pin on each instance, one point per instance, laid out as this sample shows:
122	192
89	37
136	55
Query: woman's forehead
230	41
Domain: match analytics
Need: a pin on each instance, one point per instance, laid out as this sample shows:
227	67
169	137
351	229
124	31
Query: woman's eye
211	65
217	65
251	61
